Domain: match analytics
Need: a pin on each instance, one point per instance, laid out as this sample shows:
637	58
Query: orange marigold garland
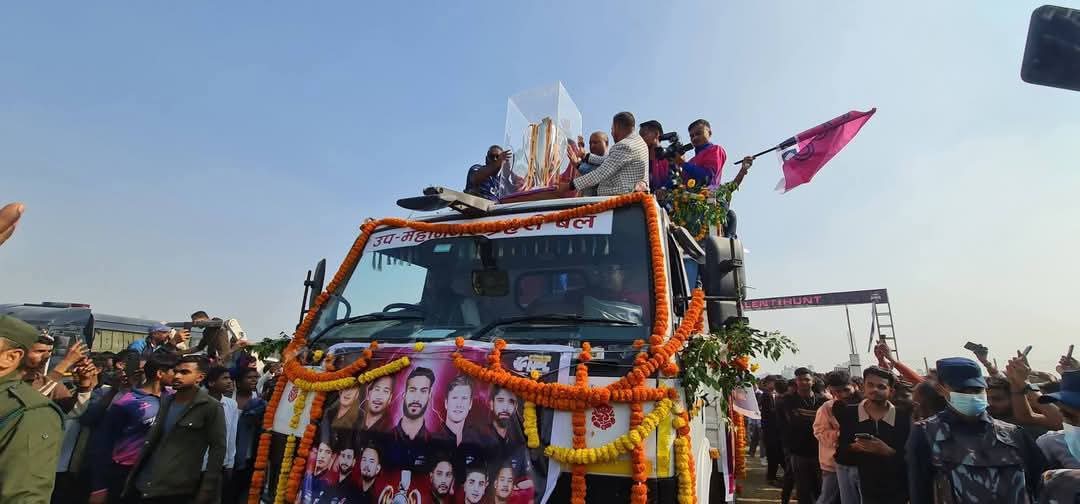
577	473
739	422
639	492
262	453
575	398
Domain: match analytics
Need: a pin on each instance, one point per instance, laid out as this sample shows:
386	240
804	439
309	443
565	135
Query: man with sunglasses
483	180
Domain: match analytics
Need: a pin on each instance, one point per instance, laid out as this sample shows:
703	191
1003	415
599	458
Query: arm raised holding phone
1018	371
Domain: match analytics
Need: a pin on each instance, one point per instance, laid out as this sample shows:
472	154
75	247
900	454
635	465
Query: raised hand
1018	370
575	153
9	217
1067	363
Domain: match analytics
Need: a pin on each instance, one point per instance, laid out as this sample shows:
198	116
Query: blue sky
205	155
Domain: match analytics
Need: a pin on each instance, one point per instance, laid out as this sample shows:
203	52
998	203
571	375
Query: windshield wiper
365	318
549	318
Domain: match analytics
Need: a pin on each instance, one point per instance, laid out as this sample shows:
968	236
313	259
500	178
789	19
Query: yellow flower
419	346
754	367
691	183
283	474
317	356
620	445
531	433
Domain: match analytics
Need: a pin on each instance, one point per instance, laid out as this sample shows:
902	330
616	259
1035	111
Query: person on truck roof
483	180
659	168
157	337
622	171
598	146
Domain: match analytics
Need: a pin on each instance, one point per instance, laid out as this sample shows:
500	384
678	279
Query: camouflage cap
22	334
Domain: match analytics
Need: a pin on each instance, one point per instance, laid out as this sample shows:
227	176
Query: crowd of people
156	422
636	162
892	435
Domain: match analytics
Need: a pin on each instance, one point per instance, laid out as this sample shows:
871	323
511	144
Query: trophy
539	123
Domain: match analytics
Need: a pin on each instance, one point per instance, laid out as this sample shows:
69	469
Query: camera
202	323
674	149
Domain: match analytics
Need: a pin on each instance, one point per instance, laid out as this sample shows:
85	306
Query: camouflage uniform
1060	486
30	429
953	461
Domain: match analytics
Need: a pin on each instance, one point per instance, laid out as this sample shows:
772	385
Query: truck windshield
415	285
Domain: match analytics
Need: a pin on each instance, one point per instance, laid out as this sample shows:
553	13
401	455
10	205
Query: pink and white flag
804	154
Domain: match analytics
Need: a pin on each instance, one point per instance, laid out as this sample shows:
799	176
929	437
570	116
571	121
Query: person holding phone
1062	447
872	436
1026	408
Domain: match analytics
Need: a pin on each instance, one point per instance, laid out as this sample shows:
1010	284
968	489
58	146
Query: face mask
1072	440
968	404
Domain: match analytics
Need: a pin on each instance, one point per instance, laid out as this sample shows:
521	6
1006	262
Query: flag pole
786	143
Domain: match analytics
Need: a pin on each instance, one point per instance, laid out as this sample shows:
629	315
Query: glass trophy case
539	123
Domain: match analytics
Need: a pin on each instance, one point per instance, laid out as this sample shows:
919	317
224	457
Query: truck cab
607	277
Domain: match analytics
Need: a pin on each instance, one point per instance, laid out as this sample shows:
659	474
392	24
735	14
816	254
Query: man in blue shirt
157	337
483	180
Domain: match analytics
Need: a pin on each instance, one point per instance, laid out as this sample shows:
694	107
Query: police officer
962	454
30	424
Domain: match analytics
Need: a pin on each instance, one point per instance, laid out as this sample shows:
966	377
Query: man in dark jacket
770	430
962	454
873	433
189	425
796	414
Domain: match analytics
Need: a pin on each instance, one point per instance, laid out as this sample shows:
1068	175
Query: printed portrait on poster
429	433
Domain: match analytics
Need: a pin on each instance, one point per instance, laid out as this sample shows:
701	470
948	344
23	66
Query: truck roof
508	208
80	315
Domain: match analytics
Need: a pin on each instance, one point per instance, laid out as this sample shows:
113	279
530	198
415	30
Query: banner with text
812	300
596	224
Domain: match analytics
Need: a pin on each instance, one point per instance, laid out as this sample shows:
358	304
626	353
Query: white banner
596	224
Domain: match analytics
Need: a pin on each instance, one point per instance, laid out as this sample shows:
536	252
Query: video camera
674	149
202	323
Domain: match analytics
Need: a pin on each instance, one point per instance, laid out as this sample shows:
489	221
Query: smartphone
863	435
131	366
976	348
1027	350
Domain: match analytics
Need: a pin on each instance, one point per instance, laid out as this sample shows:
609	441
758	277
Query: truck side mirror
724	280
316	282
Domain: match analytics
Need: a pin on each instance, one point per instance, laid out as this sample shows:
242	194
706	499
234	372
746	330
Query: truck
70	322
506	352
